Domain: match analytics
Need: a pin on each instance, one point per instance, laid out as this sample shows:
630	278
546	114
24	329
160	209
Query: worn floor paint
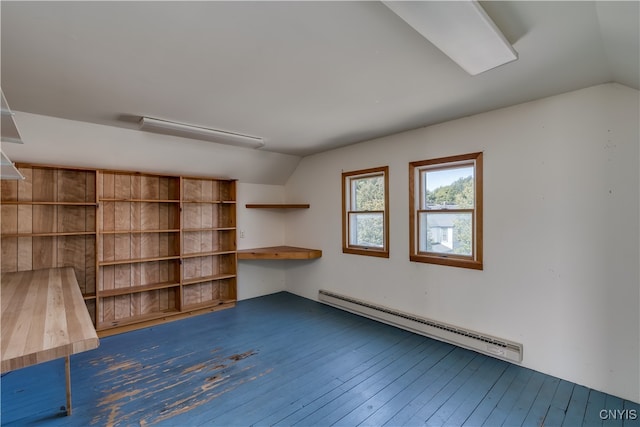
285	360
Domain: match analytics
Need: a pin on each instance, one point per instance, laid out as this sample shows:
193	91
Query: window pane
446	233
368	193
448	188
366	230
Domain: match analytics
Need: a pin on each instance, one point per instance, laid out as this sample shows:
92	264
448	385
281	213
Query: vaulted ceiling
305	76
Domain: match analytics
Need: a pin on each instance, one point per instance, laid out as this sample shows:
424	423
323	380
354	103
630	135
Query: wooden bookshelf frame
130	237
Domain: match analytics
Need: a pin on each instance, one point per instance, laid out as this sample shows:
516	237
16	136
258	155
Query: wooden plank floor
284	360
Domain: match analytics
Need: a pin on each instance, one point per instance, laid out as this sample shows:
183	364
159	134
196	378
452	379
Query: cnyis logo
618	414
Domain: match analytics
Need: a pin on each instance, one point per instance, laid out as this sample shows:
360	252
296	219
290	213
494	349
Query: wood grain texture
44	317
226	215
44	185
9	254
207	293
279	252
44	218
75	186
25	187
9	215
9	189
277	206
25	219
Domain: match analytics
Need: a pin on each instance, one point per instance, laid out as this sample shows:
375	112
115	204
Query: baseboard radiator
482	343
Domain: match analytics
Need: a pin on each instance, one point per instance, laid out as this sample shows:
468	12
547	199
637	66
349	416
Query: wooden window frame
347	178
416	193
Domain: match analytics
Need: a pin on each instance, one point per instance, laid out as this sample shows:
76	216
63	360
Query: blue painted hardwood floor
285	360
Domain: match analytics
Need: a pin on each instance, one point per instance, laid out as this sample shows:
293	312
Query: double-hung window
446	211
365	212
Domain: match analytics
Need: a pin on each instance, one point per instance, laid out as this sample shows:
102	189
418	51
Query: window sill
449	261
367	252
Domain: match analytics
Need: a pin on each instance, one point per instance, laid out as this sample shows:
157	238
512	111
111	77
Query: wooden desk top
44	317
279	252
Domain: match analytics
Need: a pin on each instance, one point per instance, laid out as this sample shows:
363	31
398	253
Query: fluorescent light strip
196	132
462	30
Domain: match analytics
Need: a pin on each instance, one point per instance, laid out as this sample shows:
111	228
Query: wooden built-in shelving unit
208	242
145	248
49	221
138	253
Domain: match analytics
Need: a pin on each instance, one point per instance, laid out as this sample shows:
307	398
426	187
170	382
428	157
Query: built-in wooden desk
44	317
279	252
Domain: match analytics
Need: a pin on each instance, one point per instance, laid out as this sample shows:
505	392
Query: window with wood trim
445	204
365	212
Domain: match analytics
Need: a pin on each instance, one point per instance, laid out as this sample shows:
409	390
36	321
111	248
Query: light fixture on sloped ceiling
183	130
462	30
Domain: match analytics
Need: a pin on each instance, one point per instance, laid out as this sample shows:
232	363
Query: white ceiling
305	76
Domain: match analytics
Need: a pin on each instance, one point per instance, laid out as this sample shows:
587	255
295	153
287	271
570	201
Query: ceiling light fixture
196	132
462	30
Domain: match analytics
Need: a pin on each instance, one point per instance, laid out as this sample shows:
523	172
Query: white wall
561	233
258	228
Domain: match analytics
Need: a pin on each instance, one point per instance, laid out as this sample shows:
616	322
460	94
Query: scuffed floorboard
285	360
146	394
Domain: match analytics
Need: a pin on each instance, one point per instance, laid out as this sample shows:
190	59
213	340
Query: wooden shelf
231	202
277	206
52	234
208	279
208	304
138	260
202	254
48	203
137	319
140	200
195	230
279	252
105	329
177	230
137	289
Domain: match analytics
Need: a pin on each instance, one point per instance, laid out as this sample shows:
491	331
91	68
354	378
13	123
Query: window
446	211
365	212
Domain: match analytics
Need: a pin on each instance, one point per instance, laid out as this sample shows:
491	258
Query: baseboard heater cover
482	343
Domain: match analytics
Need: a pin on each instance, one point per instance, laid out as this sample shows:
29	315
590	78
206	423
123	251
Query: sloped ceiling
305	76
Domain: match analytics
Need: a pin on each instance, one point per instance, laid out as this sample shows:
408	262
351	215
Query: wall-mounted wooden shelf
280	252
277	206
124	200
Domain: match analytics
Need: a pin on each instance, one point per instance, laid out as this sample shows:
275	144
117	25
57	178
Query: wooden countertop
279	252
44	317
